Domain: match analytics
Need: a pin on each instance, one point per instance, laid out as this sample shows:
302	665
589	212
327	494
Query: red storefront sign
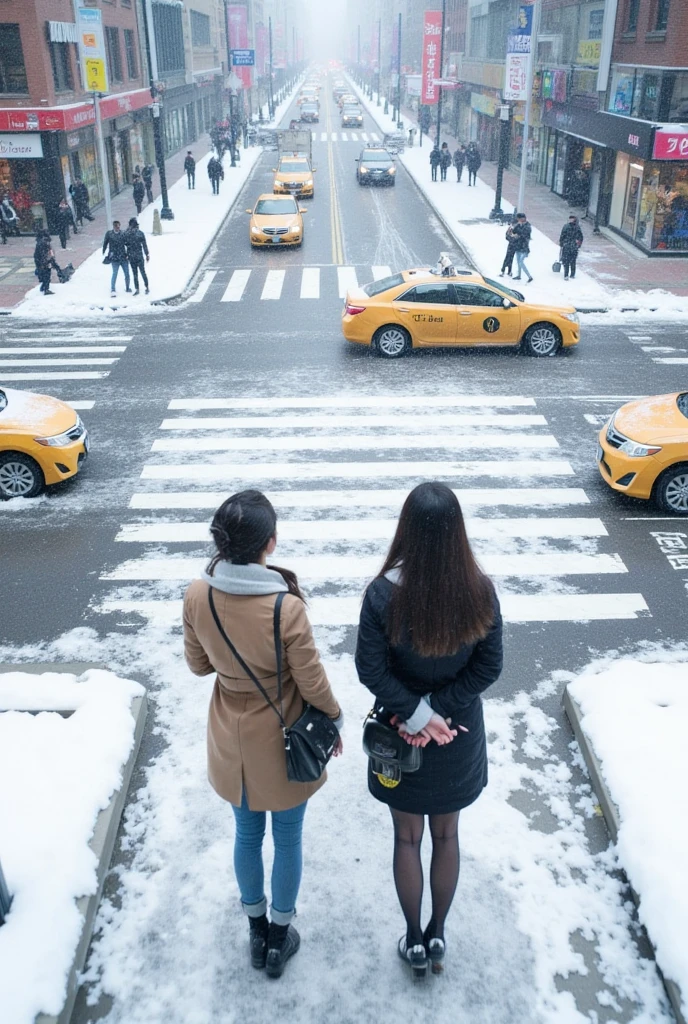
237	27
78	115
432	36
670	144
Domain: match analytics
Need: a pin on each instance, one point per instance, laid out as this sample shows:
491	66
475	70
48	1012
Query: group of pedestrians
142	186
518	237
125	249
429	643
441	159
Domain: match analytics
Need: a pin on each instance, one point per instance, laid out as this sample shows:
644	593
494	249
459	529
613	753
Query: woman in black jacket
429	643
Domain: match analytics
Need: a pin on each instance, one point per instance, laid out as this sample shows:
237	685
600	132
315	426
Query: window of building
12	69
169	36
114	54
632	10
595	21
621	90
678	101
662	18
130	51
61	62
200	29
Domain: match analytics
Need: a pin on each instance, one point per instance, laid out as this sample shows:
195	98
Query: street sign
243	58
92	48
96	77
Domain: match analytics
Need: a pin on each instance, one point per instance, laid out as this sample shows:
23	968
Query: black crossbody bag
310	741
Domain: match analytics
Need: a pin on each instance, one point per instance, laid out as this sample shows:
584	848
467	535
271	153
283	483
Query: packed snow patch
56	774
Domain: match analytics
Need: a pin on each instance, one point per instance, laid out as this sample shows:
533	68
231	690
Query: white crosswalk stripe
237	284
323	136
346	277
48	375
310	283
380	272
333	136
374	137
54	354
529	532
57	362
204	285
247	284
345	137
61	350
671	361
364	136
274	282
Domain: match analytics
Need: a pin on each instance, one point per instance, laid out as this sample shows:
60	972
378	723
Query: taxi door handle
400	310
465	312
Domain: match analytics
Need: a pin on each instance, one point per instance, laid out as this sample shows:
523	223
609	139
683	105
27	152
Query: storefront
485	122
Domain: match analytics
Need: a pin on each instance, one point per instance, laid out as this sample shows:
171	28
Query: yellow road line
335	216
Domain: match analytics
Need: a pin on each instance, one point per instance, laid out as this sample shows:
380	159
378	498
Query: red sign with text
432	39
75	115
237	27
670	145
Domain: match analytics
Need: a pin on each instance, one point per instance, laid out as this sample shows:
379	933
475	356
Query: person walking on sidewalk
147	178
435	161
429	643
115	243
521	232
65	220
190	168
459	159
79	193
215	173
445	161
570	241
473	162
508	264
139	192
44	259
9	218
242	600
136	244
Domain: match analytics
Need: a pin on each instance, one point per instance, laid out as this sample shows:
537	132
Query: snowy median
631	718
67	748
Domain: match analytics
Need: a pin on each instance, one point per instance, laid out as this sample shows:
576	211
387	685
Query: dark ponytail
242	528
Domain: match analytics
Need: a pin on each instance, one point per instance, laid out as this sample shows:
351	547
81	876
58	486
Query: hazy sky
327	20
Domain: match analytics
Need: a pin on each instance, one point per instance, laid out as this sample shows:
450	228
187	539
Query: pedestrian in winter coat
435	161
445	161
459	159
79	193
429	643
9	218
147	178
115	243
190	168
65	220
473	162
136	244
521	232
139	193
215	173
508	264
570	241
44	260
246	757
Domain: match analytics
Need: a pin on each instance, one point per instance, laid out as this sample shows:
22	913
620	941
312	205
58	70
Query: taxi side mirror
249	211
303	209
506	304
314	169
274	170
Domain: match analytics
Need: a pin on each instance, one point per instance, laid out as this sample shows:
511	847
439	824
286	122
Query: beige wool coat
245	740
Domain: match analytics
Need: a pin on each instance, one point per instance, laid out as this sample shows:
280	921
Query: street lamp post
379	57
5	898
529	104
504	140
439	96
151	52
400	123
271	98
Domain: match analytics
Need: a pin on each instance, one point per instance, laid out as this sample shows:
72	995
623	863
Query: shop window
12	69
130	51
200	29
646	97
114	54
60	59
595	22
620	99
662	15
678	101
632	11
169	36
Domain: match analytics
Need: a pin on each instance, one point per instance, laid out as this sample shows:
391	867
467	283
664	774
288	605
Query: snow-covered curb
631	718
63	779
485	242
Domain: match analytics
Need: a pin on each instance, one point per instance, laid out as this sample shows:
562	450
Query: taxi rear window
376	287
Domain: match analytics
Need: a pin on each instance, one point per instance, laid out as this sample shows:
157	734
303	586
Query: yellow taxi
42	441
294	177
643	451
445	306
276	220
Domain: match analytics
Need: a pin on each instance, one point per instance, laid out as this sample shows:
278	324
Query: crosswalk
346	136
47	353
271	284
338	468
664	354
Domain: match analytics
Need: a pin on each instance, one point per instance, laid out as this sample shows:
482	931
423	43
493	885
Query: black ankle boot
258	940
283	941
435	948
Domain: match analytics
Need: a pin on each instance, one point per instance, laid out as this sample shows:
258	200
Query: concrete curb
104	834
611	817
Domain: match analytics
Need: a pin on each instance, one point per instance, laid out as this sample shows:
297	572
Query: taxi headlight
255	230
391	170
66	437
308	182
637	450
363	170
573	317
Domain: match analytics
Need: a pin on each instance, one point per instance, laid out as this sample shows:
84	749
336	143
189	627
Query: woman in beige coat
246	756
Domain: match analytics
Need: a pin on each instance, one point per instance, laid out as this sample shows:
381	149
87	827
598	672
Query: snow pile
56	774
635	714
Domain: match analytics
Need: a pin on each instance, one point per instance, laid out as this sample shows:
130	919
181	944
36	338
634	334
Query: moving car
643	451
310	112
346	98
294	176
42	441
339	90
307	96
375	167
352	116
276	220
424	307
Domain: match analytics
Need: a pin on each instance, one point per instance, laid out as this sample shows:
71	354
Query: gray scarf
250	580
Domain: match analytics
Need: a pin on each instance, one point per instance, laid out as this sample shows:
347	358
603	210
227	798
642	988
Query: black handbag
390	755
309	743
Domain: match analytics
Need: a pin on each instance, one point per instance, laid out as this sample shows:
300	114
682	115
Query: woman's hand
338	748
438	729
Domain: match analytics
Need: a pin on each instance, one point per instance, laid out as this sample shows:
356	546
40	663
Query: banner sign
92	48
519	37
261	48
72	116
237	33
394	52
516	76
670	144
432	35
243	58
21	147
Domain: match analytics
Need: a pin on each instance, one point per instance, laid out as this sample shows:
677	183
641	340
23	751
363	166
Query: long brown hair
242	528
442	598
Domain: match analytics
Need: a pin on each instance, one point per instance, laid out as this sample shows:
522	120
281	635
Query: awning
76	115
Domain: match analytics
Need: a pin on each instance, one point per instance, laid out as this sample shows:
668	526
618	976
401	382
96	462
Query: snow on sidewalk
466	213
635	715
56	774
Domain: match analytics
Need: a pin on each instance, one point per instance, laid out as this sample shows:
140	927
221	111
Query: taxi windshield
503	288
275	206
294	165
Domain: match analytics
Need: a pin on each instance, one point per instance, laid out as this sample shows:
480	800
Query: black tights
408	870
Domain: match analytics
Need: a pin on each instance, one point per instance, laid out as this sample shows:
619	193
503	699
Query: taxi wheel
671	490
542	340
20	476
391	341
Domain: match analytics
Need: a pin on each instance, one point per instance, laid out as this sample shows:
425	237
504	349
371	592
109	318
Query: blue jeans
287	827
521	264
115	270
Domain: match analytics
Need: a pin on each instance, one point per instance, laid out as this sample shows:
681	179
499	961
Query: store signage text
21	147
62	32
432	38
243	58
670	145
92	49
634	140
237	33
68	118
517	54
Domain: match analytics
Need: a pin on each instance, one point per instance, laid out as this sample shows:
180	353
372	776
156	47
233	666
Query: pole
504	140
271	98
399	121
379	57
151	52
5	898
529	103
439	95
103	161
358	51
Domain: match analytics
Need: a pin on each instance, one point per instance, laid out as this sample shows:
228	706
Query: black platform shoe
415	957
283	941
258	941
436	950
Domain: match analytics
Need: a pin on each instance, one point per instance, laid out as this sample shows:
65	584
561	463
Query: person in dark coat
473	162
65	220
429	643
79	193
508	264
459	159
115	243
147	178
190	168
139	192
435	161
9	221
521	232
570	241
215	173
445	161
44	259
137	247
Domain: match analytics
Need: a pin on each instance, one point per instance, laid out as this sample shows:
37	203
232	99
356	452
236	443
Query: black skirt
450	778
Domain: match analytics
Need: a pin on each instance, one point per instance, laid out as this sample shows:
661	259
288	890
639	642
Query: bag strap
247	670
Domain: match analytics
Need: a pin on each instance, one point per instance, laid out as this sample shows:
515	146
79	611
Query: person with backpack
459	159
429	643
139	192
570	241
473	162
445	161
115	243
521	232
190	168
435	161
241	600
65	220
136	244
